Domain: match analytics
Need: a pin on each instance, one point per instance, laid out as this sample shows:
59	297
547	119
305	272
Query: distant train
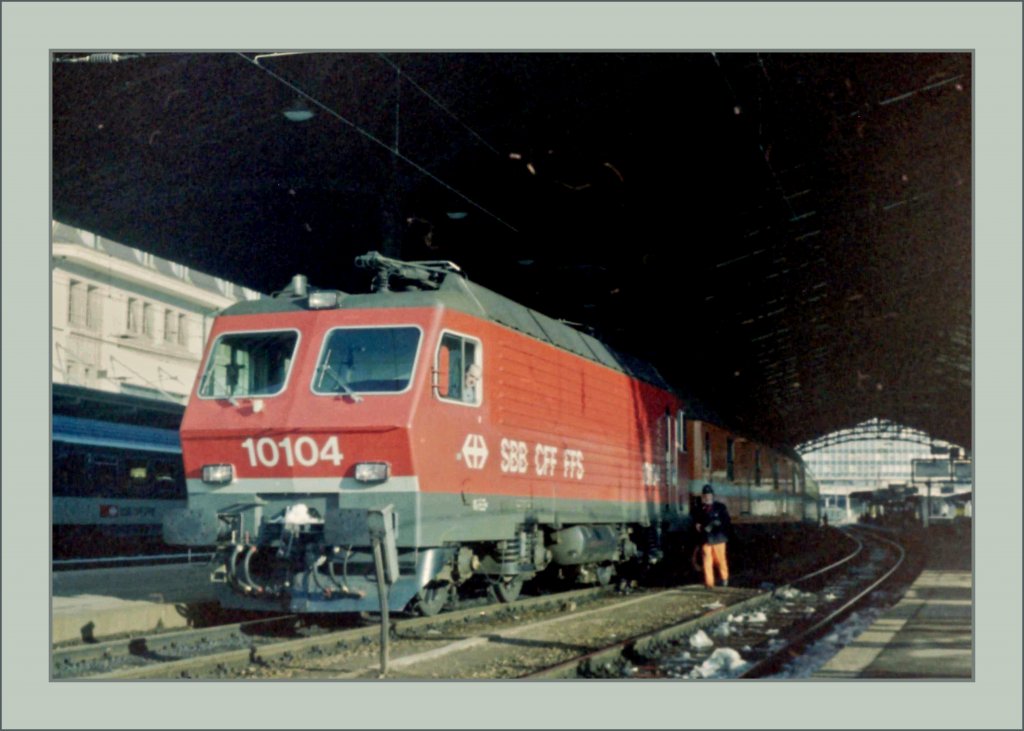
508	444
113	484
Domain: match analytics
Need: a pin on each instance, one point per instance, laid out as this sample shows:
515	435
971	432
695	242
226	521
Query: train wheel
432	598
506	589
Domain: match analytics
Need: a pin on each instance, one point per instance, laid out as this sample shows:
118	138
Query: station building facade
126	321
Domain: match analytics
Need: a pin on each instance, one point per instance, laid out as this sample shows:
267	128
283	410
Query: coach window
757	467
168	479
730	458
69	471
105	474
458	369
707	450
138	476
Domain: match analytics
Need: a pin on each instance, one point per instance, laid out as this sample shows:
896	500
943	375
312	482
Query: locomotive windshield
249	364
367	360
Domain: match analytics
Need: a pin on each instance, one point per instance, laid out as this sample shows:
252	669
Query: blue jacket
714	523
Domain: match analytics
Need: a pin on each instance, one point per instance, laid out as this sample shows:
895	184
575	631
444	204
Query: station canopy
785	236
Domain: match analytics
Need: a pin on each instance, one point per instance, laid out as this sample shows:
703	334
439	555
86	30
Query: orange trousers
714	554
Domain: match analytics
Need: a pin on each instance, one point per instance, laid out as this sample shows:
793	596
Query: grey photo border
991	30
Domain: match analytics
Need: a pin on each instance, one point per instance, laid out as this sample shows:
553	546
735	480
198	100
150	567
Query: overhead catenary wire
438	104
373	138
737	109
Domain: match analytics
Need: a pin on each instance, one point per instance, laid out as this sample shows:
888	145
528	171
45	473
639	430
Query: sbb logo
474	451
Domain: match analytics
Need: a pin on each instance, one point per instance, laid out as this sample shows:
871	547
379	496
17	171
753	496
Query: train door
670	498
757	479
801	490
683	471
699	463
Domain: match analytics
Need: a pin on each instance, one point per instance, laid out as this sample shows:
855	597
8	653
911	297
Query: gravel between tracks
513	644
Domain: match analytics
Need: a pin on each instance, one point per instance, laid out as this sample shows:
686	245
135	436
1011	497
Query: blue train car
112	485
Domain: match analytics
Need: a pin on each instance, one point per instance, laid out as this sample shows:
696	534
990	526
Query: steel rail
637	645
156	644
268	653
156	558
773	661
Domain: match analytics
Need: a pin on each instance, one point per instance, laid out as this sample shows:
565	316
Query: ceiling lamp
299	111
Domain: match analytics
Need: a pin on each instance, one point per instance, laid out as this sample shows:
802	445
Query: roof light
323	300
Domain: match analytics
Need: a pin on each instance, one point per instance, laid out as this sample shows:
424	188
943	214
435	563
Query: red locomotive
506	442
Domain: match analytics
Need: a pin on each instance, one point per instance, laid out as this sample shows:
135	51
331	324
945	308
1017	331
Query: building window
182	330
85	305
148	320
77	303
170	326
82	359
73	373
681	430
94	309
134	316
707	450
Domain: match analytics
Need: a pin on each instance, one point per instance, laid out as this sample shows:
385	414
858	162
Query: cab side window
459	373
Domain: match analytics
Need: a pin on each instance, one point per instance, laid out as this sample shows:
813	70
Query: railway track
752	639
269	647
139	652
646	633
851	593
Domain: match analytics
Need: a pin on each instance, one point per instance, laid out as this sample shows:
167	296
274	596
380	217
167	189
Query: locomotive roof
448	287
458	293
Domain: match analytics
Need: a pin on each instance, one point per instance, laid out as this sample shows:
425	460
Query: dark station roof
786	235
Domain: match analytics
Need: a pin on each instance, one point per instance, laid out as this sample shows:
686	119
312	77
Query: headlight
372	471
218	474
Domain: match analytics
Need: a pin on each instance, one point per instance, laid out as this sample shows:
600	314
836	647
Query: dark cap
708	490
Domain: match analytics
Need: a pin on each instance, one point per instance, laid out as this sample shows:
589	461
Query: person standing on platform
713	528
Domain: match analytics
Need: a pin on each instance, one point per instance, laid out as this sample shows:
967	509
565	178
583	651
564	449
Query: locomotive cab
302	421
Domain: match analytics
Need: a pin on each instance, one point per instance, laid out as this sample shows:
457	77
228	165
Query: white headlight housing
218	474
372	471
323	300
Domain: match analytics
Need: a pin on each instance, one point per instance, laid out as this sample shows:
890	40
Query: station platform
96	604
928	634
